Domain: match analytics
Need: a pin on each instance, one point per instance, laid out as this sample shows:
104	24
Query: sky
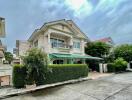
96	18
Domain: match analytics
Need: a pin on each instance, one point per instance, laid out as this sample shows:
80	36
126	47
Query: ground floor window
58	62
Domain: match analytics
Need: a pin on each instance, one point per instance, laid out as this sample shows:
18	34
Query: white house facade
62	40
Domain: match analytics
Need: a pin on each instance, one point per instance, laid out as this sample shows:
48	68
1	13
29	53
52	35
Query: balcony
61	45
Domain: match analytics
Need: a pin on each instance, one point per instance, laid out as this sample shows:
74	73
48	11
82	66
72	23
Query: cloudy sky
96	18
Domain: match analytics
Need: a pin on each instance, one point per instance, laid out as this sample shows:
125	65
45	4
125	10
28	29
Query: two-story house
62	40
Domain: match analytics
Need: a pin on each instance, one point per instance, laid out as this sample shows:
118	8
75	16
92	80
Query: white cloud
81	8
107	4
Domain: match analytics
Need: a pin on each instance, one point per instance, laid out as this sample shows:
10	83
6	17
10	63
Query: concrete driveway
115	87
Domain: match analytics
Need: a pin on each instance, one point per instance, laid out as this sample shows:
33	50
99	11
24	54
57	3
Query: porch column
82	46
48	37
49	44
71	61
83	61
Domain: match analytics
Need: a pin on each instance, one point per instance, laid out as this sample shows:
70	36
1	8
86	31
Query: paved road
115	87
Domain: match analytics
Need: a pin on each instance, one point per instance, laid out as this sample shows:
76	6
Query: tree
36	63
97	49
124	51
8	56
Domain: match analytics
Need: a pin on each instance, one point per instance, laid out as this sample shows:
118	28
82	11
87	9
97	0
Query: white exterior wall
44	42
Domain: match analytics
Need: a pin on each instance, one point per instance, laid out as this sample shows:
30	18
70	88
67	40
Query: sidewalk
5	92
96	75
10	91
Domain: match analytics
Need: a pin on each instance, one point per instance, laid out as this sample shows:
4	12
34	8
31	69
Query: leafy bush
124	51
111	67
119	65
36	63
19	75
63	72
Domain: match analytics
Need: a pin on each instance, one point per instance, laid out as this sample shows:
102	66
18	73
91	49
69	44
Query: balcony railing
60	45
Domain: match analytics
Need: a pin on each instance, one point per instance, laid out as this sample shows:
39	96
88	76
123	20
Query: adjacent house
2	49
2	34
107	40
2	27
62	40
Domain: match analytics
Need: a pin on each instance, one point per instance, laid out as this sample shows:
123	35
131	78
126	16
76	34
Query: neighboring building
21	47
62	40
2	34
107	40
2	27
1	52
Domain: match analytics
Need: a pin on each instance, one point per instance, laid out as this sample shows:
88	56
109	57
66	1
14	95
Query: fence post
100	67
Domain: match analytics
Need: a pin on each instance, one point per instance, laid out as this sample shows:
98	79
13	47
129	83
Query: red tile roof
107	39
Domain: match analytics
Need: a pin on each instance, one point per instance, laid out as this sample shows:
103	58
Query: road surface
114	87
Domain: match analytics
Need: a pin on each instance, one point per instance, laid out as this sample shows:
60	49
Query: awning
72	56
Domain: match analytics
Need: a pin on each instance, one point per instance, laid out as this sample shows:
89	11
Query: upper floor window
56	42
76	45
36	43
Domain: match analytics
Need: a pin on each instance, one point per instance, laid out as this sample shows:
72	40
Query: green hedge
111	67
116	68
63	72
56	73
19	75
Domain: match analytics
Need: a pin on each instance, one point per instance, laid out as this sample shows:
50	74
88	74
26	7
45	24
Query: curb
43	87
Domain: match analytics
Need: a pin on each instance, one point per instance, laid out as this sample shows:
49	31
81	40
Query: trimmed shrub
19	75
111	67
63	72
119	65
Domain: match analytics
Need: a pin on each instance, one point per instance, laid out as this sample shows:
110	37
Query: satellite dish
2	27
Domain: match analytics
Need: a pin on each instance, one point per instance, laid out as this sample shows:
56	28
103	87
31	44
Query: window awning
73	56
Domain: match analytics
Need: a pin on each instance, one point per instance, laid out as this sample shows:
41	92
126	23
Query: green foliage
124	51
19	75
63	72
8	57
119	65
111	67
36	63
97	49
